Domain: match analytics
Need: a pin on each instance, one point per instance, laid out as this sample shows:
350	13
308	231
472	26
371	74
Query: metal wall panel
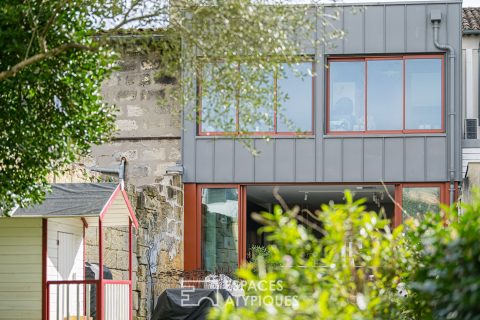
305	160
380	29
416	28
375	29
394	159
436	160
373	159
332	159
224	160
285	160
265	161
415	159
395	28
244	163
354	31
204	160
352	159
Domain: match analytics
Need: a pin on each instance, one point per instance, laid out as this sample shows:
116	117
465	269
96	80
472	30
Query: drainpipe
120	171
436	18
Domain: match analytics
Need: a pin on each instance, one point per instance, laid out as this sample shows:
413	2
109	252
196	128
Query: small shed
43	269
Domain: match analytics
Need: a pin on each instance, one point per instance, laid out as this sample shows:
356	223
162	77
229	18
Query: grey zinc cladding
390	28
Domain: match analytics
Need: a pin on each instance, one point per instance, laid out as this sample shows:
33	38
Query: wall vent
471	128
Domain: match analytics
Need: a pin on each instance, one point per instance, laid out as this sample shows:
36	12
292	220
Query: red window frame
398	214
237	132
373	58
241	220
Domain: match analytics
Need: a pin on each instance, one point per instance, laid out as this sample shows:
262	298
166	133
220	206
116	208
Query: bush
361	269
446	284
352	272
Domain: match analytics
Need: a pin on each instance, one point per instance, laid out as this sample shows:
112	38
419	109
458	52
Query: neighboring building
385	107
471	98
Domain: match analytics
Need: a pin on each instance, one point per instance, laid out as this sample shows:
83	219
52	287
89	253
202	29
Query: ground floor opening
220	233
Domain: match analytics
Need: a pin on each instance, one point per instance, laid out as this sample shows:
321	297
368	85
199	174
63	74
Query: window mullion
237	103
365	122
275	76
403	95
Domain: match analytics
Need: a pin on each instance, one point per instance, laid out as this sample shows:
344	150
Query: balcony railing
81	300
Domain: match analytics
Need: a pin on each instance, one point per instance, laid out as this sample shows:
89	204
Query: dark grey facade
391	28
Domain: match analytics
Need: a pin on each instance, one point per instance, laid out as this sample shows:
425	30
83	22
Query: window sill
385	135
255	137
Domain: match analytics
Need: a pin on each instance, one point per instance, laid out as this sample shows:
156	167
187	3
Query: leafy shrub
446	284
352	272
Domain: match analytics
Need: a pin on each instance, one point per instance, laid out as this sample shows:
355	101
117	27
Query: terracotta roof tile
471	19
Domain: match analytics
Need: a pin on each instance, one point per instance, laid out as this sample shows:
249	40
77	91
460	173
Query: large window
385	95
220	230
287	103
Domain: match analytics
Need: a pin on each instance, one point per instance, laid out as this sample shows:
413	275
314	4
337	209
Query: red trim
398	213
200	131
365	59
242	212
190	229
130	269
118	189
106	281
45	291
444	196
133	218
53	282
85	225
100	296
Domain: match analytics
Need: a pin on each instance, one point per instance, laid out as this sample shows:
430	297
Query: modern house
45	272
381	115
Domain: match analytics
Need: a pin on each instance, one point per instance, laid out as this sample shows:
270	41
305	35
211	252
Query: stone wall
148	121
148	136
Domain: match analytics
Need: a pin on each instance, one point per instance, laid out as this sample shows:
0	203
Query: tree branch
42	56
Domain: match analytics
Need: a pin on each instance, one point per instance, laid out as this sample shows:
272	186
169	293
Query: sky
466	3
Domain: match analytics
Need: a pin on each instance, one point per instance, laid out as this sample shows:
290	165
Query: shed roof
471	19
85	200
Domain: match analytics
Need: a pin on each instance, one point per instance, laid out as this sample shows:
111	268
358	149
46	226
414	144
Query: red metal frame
45	306
365	59
193	258
200	132
398	214
120	189
193	215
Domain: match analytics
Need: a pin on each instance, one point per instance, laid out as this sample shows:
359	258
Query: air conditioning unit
471	128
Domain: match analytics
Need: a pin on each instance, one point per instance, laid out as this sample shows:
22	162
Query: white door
70	267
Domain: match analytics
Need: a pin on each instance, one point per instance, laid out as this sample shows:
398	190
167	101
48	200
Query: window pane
423	94
256	100
218	112
347	96
385	95
220	230
294	98
417	201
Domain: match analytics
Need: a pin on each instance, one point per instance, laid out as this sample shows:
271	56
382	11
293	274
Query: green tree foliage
56	53
51	108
